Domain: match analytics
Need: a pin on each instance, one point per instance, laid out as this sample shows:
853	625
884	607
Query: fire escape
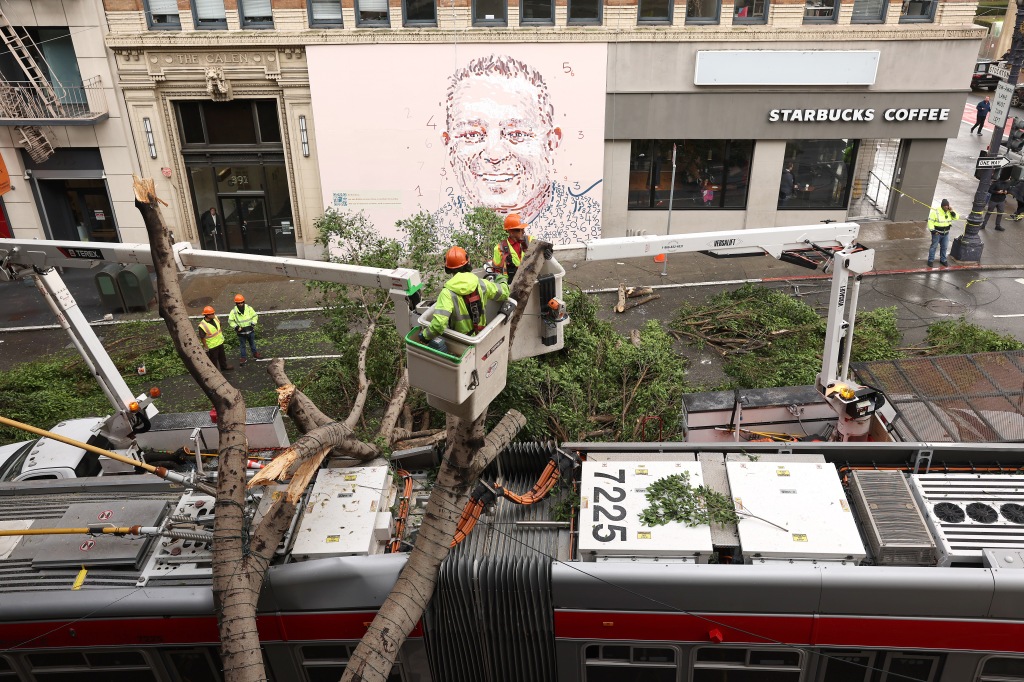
31	105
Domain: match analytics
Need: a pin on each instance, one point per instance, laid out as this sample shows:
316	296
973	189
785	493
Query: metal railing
31	103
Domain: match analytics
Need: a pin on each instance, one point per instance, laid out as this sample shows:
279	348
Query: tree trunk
234	583
464	460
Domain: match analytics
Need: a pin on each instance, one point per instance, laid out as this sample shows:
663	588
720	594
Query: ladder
35	76
36	142
34	138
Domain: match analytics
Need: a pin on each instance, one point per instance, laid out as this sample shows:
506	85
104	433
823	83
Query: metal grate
976	398
498	581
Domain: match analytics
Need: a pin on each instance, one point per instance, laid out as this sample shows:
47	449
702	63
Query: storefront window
820	172
750	12
710	174
702	11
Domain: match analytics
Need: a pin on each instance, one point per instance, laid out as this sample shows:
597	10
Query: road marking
1014	315
1019	280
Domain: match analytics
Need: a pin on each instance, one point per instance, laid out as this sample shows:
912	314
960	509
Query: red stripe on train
809	630
191	630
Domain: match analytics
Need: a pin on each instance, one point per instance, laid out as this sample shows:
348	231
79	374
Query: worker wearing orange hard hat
212	337
462	303
509	252
243	320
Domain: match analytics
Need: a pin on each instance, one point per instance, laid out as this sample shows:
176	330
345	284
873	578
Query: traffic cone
660	258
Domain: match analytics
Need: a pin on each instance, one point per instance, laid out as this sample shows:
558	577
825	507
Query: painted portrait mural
446	129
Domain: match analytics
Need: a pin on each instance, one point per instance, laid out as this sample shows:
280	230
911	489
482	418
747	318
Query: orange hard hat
239	298
208	310
455	258
514	222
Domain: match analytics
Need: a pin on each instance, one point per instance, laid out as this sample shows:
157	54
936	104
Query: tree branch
356	413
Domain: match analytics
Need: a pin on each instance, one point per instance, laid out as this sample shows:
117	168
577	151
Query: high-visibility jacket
451	309
212	336
246	318
505	256
940	220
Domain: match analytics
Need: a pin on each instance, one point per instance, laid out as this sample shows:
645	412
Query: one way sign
992	162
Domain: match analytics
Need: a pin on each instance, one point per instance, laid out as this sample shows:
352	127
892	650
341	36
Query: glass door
245	225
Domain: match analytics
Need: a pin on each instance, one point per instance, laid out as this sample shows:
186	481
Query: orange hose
403	510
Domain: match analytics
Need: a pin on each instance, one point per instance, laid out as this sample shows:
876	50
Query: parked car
981	79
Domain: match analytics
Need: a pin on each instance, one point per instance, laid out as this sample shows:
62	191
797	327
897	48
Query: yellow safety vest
247	318
213	337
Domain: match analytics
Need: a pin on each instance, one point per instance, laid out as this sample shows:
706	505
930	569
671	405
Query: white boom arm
836	241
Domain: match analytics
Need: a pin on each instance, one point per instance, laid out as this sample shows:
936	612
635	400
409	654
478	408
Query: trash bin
136	287
107	286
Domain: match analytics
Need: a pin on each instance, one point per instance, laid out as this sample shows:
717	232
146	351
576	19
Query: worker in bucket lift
213	338
509	252
243	319
462	303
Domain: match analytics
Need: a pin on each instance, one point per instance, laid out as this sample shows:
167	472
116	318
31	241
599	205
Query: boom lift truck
464	381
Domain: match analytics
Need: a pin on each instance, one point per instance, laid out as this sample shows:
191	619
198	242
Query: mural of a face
501	142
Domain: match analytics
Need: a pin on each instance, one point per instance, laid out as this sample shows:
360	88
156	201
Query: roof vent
893	524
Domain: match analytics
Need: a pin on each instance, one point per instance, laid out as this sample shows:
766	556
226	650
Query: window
325	13
584	12
820	11
750	12
91	666
1002	670
878	666
715	664
490	13
623	663
419	12
238	122
710	174
536	12
869	11
820	172
162	14
7	670
255	14
372	13
209	14
194	665
654	12
326	662
917	11
702	11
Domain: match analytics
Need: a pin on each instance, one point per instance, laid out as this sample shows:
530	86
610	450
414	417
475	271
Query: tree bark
467	456
234	581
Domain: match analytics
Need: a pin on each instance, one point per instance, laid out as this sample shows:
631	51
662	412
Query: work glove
953	213
507	308
489	272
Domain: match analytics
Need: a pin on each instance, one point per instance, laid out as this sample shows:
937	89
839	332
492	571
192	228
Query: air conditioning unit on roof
893	524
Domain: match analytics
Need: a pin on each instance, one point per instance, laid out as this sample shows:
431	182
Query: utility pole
970	245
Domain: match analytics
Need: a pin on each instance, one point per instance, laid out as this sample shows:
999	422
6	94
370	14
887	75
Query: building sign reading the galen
835	115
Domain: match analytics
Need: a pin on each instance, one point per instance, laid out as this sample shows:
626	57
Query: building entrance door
245	225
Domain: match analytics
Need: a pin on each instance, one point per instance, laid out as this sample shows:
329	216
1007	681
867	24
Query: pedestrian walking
983	107
243	320
940	220
996	203
213	338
